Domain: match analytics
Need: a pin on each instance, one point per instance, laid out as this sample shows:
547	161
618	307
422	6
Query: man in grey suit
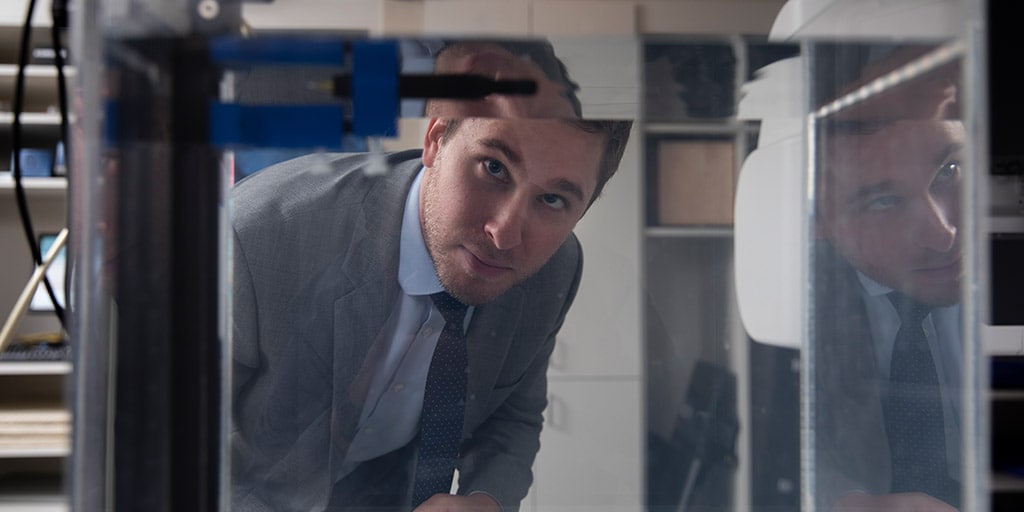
888	226
334	330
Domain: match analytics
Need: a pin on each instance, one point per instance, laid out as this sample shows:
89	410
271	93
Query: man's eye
495	168
882	203
554	201
949	171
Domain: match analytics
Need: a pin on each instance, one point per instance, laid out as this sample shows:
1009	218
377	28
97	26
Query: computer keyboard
37	352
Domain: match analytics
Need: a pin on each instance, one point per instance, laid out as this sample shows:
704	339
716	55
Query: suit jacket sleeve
498	457
244	368
851	451
291	349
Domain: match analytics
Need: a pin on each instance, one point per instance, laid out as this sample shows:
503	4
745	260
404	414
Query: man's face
499	197
497	63
890	205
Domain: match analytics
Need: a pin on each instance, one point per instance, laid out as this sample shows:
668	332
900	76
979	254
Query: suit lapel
360	310
849	389
490	335
362	306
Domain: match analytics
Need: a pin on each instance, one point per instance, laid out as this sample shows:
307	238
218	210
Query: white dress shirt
391	414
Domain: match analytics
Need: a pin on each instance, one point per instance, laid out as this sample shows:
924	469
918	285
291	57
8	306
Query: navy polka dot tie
444	405
914	420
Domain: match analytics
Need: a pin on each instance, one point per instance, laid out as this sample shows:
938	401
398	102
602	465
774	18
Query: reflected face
890	205
497	63
500	196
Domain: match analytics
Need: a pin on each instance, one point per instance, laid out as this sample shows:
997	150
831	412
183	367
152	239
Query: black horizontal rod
466	87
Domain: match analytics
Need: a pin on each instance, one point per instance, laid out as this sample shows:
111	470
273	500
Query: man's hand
905	502
451	503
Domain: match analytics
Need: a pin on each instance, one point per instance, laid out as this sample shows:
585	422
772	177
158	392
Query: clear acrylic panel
727	345
885	355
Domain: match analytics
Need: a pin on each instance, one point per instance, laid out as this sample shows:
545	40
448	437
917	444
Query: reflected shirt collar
416	274
874	288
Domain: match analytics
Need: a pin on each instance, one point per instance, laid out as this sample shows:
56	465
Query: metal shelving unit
34	420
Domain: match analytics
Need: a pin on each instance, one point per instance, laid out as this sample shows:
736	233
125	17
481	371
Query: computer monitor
55	274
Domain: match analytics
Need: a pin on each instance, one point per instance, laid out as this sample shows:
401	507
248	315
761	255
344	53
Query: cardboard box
696	182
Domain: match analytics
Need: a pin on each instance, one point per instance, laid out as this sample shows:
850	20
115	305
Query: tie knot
451	309
911	311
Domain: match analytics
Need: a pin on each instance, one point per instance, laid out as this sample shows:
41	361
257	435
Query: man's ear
432	140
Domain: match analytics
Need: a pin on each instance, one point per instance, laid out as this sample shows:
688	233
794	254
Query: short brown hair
540	52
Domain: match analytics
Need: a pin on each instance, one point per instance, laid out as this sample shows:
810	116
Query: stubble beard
946	295
458	284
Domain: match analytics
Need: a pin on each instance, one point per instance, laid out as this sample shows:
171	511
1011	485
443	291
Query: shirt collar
416	274
874	288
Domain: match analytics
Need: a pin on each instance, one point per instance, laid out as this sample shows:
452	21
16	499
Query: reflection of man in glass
335	326
887	288
893	206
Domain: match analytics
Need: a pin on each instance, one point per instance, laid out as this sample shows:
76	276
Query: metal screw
208	9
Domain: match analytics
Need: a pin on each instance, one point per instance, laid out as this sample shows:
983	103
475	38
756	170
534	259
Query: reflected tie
444	404
914	419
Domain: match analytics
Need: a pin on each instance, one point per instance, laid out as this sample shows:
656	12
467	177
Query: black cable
19	189
59	15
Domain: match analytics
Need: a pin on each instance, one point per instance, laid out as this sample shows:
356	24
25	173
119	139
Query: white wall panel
706	16
484	18
362	15
583	17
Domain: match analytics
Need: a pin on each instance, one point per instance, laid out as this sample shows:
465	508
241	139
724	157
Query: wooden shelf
1002	482
39	78
32	118
32	493
41	92
702	128
55	504
35	368
54	184
689	231
35	452
32	71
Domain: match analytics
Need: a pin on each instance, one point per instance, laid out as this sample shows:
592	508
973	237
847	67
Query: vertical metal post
146	209
167	380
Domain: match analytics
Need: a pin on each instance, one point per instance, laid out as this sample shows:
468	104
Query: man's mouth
942	270
486	265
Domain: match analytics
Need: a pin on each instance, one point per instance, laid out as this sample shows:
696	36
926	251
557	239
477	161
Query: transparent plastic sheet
885	383
669	387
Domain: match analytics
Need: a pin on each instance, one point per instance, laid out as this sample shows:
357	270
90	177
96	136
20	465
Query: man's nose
506	224
937	226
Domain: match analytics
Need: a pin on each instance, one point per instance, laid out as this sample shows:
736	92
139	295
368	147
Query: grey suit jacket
315	277
851	447
851	443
